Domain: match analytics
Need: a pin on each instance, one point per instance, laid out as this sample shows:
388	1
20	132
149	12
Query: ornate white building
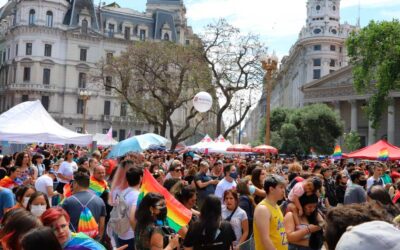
49	48
317	71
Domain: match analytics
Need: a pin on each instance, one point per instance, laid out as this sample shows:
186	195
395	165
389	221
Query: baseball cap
51	171
370	235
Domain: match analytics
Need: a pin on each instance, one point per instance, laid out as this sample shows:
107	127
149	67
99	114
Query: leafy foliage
375	54
352	141
295	131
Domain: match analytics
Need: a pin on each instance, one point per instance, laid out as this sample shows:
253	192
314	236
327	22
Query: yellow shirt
277	232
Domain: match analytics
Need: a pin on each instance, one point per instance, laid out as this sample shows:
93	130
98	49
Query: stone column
371	133
354	116
391	121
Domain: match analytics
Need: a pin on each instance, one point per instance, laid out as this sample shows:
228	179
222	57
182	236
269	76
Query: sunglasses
178	169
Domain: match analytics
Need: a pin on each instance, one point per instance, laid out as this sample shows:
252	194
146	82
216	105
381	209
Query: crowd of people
67	198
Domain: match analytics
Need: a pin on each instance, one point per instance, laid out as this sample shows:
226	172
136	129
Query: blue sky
277	22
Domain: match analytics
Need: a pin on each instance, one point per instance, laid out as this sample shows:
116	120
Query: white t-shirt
131	196
42	183
67	169
371	180
236	221
222	186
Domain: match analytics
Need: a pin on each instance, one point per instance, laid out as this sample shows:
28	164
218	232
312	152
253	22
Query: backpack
87	223
119	216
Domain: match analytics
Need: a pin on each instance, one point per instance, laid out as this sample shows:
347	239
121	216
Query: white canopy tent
220	145
104	140
203	145
29	122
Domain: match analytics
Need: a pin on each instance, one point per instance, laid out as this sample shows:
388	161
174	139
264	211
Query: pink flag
109	133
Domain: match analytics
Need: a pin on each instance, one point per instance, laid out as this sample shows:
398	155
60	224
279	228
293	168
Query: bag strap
231	215
87	203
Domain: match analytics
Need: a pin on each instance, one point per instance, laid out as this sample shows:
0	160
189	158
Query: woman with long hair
341	186
148	235
35	238
65	171
258	176
307	234
16	223
11	181
23	194
210	232
23	161
38	203
236	216
245	190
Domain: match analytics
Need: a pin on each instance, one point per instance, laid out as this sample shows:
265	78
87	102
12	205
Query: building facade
317	70
50	48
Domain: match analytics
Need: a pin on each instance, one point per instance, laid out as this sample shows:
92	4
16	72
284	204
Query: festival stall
203	145
381	150
220	145
29	122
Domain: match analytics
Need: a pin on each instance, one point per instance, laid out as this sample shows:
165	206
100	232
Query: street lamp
270	65
85	96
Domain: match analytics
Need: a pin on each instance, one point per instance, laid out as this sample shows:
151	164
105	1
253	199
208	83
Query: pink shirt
297	191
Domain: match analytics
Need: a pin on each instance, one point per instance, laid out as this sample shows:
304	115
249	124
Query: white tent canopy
104	140
29	122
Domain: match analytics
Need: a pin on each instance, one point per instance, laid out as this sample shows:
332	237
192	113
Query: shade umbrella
137	144
239	148
265	149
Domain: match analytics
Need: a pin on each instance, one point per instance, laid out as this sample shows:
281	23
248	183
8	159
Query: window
122	134
8	53
46	76
16	50
111	28
317	62
79	130
142	34
187	42
82	80
317	31
27	74
107	107
28	50
47	50
45	102
108	84
31	17
79	107
332	63
317	47
83	55
334	31
84	26
123	109
166	37
109	57
317	74
138	132
334	8
331	71
4	56
25	98
318	7
340	49
114	133
127	33
333	48
105	130
49	19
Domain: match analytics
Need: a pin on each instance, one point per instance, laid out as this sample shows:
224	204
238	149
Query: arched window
166	37
49	19
84	26
32	16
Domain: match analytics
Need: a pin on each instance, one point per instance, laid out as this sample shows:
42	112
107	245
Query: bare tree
234	60
158	80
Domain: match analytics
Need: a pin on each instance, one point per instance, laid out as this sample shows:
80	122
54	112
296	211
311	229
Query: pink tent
372	152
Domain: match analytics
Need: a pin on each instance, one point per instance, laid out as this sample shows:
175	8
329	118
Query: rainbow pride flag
178	215
337	153
80	241
98	187
383	154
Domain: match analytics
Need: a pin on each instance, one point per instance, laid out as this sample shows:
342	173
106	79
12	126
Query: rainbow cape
98	187
80	241
383	154
337	153
178	215
7	182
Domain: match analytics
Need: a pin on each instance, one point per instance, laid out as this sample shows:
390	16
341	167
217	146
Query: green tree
290	139
352	141
375	55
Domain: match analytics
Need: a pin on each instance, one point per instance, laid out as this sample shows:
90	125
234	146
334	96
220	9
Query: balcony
29	86
119	119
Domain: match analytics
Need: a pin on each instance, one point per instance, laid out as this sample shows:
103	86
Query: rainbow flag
98	187
337	153
383	154
178	215
80	241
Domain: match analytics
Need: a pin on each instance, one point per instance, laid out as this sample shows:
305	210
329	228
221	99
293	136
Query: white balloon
202	102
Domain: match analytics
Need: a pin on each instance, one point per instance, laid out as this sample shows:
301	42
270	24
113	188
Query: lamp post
240	123
85	96
269	64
